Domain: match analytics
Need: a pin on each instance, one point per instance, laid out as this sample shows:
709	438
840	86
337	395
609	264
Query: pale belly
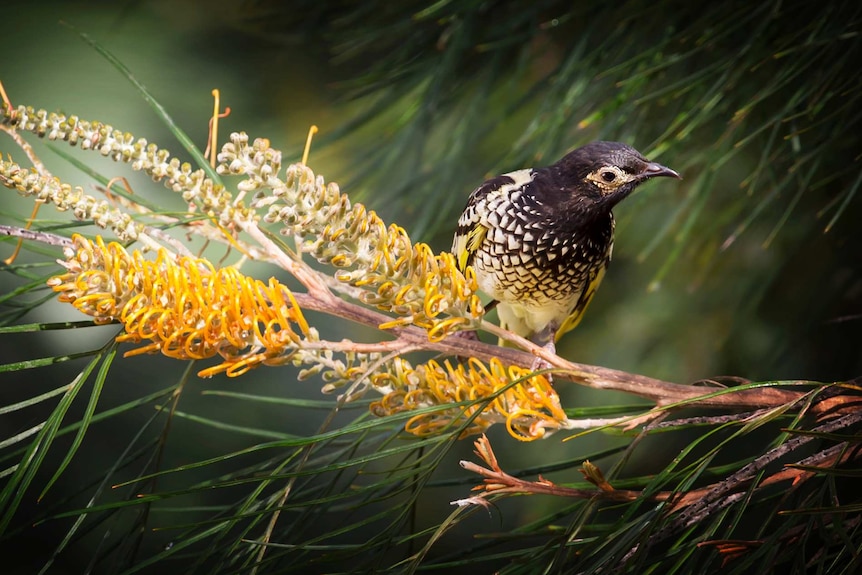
531	301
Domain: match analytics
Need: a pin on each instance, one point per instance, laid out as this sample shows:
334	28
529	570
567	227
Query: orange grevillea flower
527	403
183	306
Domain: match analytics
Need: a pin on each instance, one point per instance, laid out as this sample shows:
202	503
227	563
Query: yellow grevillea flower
187	309
183	306
527	403
394	274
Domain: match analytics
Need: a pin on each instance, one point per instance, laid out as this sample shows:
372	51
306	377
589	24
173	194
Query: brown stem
663	393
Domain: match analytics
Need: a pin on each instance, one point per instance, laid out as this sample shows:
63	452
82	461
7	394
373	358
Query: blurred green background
727	273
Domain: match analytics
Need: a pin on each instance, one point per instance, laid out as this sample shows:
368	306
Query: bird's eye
608	176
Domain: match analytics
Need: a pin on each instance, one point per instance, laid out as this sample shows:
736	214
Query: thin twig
307	276
35	235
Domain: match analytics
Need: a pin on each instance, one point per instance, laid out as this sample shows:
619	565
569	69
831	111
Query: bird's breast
536	260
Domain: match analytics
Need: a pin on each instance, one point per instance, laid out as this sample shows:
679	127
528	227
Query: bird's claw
540	363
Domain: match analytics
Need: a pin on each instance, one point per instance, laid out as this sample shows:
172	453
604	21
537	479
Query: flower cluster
394	274
493	393
183	306
186	308
422	288
145	157
49	189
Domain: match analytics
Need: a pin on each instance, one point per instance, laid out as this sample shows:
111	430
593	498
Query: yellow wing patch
596	277
466	245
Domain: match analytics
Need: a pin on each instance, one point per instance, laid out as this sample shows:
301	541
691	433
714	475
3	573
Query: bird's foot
470	335
541	363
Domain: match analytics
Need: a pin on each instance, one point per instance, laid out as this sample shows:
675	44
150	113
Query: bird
540	239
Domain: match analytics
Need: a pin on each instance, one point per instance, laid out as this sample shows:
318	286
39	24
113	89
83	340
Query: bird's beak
654	170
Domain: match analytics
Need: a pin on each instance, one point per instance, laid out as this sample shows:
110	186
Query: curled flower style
423	288
526	403
183	306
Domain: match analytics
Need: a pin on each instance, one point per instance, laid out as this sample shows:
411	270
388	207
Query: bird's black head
604	173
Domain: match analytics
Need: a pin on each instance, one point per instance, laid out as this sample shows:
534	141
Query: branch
663	393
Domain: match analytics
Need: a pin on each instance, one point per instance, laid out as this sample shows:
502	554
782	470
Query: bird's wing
597	274
473	224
